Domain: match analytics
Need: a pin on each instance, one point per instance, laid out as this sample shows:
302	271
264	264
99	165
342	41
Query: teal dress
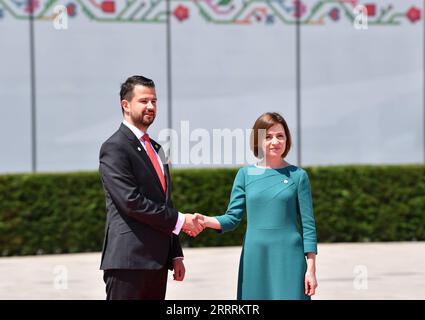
280	231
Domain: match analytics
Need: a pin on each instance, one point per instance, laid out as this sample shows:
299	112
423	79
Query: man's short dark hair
126	92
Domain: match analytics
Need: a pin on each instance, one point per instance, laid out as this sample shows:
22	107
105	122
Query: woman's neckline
260	167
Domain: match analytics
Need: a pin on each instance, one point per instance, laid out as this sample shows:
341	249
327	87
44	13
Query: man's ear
125	106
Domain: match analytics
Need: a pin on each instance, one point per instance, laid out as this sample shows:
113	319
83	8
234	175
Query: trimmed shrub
61	213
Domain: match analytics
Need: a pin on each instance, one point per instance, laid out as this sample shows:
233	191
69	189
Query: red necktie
154	160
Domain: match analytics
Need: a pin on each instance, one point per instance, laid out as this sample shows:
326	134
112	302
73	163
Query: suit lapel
142	152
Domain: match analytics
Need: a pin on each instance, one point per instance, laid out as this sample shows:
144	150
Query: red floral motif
414	14
181	13
334	14
300	8
371	9
31	6
108	6
70	8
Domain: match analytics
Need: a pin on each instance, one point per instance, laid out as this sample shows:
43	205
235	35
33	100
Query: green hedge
57	213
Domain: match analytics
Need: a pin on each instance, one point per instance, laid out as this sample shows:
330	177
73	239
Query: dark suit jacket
140	216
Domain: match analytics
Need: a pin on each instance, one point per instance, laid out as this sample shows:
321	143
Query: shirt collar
137	132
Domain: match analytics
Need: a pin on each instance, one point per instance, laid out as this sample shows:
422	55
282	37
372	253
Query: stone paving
391	270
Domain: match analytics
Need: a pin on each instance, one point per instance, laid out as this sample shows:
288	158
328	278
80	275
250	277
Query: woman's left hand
310	283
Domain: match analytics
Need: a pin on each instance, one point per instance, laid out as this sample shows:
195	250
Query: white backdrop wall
360	93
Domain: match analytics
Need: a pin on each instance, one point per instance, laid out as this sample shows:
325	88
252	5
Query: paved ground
345	271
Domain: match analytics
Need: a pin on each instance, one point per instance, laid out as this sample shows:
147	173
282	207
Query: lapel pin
285	181
156	146
138	148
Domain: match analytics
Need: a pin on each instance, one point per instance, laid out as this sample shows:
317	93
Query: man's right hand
193	224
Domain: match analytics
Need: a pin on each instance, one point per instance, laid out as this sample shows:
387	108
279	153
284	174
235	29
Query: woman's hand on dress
310	283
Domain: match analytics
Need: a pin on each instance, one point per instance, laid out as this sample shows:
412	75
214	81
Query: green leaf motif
224	2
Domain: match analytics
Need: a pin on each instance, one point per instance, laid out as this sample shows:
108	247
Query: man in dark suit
142	226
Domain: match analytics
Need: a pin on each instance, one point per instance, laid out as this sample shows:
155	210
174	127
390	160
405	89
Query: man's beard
143	121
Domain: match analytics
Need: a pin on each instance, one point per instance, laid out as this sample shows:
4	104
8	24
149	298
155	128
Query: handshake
194	224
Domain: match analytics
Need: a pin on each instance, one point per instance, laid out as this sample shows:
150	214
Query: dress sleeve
236	207
305	207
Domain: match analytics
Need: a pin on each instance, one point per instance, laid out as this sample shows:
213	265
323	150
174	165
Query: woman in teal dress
280	246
